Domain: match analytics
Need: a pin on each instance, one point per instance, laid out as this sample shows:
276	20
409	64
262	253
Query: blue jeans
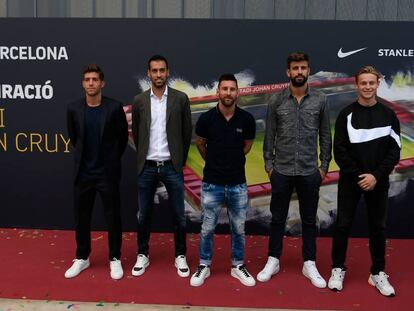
307	189
213	198
147	185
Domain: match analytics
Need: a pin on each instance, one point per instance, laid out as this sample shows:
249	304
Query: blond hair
368	69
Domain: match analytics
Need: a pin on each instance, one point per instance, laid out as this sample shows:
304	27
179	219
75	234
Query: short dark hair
94	68
368	69
297	57
155	58
227	77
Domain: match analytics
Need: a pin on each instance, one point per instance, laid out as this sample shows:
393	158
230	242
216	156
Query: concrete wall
370	10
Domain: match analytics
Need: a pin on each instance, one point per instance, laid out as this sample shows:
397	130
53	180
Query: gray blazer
179	127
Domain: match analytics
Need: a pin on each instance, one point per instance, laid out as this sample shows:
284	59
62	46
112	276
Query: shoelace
383	278
313	271
141	260
337	274
200	269
180	262
268	267
244	271
115	266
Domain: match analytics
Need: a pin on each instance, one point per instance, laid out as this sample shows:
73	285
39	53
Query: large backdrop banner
41	63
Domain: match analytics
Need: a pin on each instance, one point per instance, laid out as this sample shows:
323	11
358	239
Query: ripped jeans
213	198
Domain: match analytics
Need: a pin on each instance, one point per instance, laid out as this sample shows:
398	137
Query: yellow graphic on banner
34	142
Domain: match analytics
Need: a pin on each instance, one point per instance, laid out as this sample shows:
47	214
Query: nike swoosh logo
346	54
357	136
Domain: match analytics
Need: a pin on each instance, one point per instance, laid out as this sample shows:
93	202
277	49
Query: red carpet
32	264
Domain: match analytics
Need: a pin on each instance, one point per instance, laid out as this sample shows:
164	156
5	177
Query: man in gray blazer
161	127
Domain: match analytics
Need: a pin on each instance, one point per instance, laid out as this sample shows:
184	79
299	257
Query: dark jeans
85	193
349	194
147	185
307	189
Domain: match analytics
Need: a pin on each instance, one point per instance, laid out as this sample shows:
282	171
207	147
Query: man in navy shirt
225	135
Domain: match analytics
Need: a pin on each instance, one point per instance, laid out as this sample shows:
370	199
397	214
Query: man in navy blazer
98	131
161	127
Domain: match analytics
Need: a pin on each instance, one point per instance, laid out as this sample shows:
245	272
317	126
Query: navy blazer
114	134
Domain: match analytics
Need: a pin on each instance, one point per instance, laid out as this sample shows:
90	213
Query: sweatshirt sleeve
393	153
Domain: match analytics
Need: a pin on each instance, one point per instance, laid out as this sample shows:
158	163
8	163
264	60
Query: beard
159	83
299	80
227	101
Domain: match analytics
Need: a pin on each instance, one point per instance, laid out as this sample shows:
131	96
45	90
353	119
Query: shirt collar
309	91
165	92
219	112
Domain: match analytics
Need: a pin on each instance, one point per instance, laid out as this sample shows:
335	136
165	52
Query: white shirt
158	144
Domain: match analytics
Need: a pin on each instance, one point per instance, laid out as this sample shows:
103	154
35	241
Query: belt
157	163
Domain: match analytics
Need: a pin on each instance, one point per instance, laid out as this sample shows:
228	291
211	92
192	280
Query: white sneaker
116	269
77	267
240	272
380	281
311	272
202	273
336	281
142	263
182	267
271	268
